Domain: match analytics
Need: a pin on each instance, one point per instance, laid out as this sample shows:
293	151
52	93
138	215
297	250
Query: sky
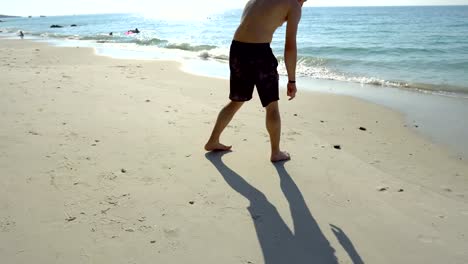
175	8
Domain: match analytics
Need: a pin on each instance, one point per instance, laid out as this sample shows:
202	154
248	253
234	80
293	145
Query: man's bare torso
260	20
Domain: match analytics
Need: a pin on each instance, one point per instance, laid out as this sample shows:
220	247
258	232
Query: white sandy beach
102	161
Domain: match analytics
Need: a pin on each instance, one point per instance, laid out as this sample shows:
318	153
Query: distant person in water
111	34
252	63
136	31
21	34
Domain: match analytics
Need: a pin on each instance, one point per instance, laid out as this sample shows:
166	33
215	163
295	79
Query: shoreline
439	128
102	161
213	58
413	104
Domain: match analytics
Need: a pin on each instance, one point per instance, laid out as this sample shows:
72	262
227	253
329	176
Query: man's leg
273	124
224	117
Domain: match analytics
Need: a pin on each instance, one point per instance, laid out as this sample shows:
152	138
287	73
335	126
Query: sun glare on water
188	9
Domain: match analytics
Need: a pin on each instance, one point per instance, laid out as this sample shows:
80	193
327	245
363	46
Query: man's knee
272	108
272	113
235	104
232	107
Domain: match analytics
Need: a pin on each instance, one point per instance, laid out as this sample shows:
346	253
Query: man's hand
291	91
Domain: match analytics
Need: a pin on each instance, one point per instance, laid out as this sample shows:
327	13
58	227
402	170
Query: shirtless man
252	63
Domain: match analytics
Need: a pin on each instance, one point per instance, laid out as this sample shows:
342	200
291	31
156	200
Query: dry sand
102	161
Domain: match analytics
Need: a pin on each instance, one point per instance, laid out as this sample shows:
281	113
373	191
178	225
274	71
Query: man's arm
290	46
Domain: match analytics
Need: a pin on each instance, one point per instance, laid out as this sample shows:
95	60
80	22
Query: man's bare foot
216	146
280	156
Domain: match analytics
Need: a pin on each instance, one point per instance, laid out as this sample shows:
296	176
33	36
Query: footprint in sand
293	133
145	228
168	167
427	239
110	176
447	189
147	180
34	133
116	200
171	232
6	224
52	181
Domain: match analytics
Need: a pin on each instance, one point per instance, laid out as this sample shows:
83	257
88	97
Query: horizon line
324	6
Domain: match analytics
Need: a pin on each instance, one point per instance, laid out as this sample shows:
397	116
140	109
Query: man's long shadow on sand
280	245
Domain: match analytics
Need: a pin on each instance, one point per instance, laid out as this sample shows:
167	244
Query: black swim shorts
253	64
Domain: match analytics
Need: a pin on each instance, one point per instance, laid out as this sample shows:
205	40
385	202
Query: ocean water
419	48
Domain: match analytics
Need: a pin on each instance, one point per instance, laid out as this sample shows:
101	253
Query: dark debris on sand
383	189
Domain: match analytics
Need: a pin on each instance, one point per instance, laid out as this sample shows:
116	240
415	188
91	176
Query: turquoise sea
419	48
